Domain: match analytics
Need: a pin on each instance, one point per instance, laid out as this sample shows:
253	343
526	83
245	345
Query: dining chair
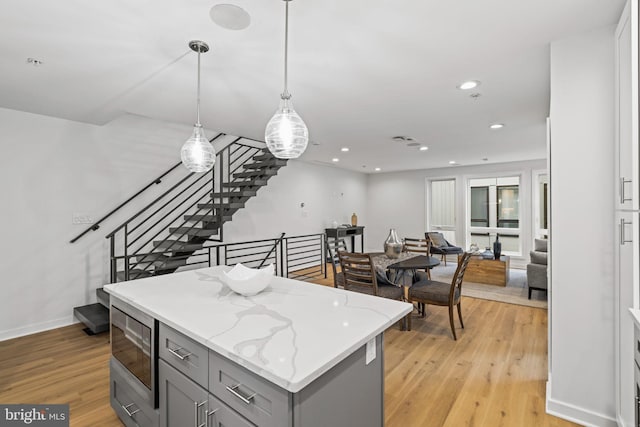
441	293
418	246
333	247
360	276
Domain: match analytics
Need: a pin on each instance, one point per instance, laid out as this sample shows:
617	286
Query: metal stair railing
143	243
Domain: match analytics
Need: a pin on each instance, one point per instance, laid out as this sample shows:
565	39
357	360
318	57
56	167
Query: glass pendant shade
197	153
286	134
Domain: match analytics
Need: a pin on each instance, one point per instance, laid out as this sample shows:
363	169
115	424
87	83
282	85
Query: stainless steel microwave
134	344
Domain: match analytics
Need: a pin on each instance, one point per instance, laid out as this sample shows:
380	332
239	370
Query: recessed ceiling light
452	162
335	159
344	149
484	159
230	16
377	169
424	148
497	126
469	84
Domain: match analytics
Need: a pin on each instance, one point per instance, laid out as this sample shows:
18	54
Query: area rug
516	291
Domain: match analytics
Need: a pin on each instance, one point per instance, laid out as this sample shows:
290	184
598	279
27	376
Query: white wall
581	384
398	200
329	194
51	168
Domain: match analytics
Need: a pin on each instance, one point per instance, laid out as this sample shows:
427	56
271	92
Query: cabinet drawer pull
623	198
196	413
623	238
178	355
208	414
126	409
246	400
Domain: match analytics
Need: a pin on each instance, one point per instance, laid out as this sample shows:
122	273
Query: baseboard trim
36	327
577	414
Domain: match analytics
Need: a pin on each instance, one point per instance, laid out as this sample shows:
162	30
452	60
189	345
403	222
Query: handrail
158	198
273	248
156	181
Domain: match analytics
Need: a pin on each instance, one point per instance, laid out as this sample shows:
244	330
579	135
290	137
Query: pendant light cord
198	98
286	94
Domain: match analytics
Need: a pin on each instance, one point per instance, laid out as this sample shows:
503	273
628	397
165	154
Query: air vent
403	139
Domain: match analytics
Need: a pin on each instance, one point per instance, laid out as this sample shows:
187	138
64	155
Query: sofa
537	268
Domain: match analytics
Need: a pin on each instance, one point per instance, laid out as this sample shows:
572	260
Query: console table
488	271
343	232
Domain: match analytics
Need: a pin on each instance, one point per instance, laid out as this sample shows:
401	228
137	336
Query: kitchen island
295	354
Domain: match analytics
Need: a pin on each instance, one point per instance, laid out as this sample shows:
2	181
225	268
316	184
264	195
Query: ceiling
360	71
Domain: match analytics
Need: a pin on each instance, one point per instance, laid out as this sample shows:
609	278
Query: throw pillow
437	240
538	257
540	245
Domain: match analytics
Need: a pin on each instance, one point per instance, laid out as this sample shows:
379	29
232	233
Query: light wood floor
494	375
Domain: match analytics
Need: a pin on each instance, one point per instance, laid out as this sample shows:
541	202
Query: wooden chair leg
460	316
444	258
453	329
429	273
409	320
424	309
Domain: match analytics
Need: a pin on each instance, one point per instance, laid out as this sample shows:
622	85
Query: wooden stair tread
211	218
256	173
235	194
178	245
266	163
195	231
230	205
250	183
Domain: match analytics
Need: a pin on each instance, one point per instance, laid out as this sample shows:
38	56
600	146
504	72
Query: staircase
179	228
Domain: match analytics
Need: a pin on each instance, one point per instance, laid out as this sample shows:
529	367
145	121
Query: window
494	210
442	202
540	204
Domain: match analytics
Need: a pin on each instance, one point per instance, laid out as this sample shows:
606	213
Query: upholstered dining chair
418	246
440	245
440	293
333	247
360	276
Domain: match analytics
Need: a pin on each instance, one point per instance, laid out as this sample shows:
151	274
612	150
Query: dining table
401	270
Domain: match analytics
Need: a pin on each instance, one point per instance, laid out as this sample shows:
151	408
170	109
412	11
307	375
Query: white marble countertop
291	333
636	316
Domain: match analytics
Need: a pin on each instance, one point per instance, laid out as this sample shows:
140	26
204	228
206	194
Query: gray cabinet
200	388
184	354
220	415
183	403
128	401
257	399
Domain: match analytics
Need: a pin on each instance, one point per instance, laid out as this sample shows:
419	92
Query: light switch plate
81	218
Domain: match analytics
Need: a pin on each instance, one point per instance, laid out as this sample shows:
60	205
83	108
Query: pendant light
197	153
286	134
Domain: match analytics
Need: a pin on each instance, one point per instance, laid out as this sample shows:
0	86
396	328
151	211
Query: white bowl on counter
248	281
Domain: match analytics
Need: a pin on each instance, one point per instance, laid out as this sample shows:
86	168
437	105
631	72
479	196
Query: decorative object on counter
197	153
354	219
334	224
286	134
473	248
248	281
393	245
497	247
487	254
